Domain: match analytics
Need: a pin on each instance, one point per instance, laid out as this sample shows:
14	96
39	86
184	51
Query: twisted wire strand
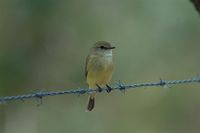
118	86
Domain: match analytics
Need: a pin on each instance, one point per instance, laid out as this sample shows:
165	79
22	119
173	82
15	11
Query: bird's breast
101	63
99	70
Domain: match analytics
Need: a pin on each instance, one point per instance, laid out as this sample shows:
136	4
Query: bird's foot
109	89
99	88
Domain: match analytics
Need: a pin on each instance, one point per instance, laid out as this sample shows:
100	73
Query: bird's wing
86	66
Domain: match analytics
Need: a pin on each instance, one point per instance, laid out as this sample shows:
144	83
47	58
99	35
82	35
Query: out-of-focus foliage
43	45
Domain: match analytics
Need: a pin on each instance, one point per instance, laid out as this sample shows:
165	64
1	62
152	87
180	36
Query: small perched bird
98	68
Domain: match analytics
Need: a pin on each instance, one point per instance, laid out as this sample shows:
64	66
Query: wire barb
121	86
162	82
107	88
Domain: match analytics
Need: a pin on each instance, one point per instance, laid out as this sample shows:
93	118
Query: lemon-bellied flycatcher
98	68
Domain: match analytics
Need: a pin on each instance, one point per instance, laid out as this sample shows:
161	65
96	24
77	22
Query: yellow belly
100	75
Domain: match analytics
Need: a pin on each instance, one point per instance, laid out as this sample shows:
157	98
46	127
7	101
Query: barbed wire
119	86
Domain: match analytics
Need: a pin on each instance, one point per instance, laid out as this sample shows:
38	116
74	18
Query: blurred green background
43	46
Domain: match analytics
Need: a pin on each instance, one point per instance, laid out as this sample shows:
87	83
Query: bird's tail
91	102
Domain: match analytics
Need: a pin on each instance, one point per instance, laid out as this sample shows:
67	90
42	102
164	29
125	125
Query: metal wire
118	86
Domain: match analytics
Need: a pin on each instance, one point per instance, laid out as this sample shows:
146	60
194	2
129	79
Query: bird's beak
112	47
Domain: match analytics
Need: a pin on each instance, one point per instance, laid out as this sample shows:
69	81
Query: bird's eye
102	47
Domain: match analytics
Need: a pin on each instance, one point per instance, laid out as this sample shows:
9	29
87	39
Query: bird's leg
99	88
109	89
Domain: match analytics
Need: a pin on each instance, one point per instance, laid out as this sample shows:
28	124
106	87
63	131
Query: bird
98	68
